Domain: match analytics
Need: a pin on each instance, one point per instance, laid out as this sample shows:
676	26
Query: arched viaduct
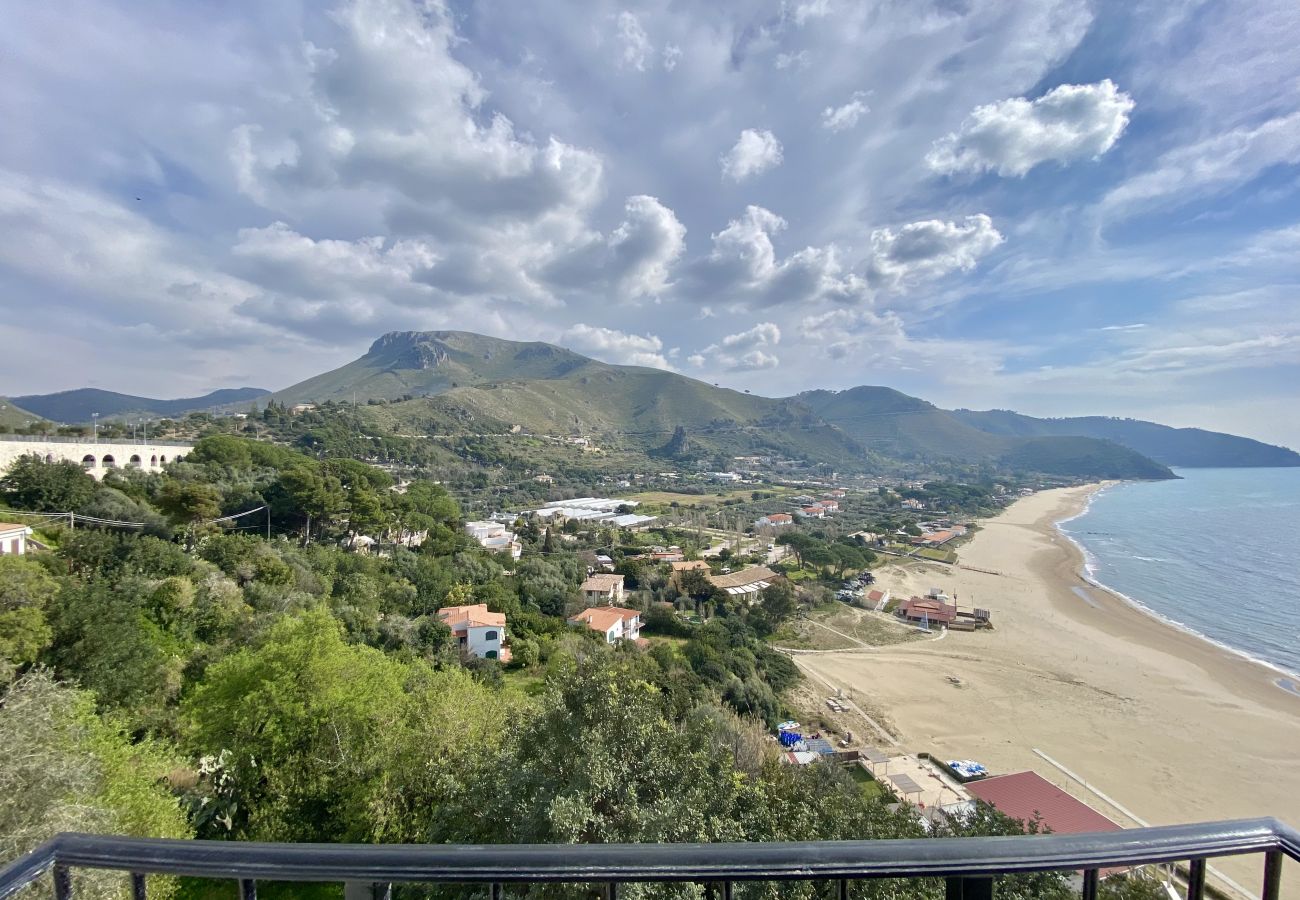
96	457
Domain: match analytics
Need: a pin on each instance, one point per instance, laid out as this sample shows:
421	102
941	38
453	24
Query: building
687	566
876	600
603	588
302	408
745	584
829	505
13	539
493	536
836	493
1026	795
775	520
929	610
479	632
813	512
615	622
913	504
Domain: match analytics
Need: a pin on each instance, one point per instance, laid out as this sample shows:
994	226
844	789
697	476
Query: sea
1216	552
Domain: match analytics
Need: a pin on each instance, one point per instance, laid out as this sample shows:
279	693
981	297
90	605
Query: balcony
969	866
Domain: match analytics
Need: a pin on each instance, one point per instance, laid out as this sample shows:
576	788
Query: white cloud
672	55
634	260
742	352
842	118
811	9
1213	164
637	49
923	251
755	151
798	60
616	347
743	266
1068	123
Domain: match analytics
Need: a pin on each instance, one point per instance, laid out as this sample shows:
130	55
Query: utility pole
94	427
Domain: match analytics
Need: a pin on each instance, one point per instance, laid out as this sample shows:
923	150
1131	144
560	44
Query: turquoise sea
1217	553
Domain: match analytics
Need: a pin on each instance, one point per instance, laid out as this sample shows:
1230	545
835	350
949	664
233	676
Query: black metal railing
968	864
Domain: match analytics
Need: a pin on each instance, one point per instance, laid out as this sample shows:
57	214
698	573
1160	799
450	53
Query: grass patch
871	789
874	630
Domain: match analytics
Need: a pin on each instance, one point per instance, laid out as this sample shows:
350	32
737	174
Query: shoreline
1075	679
1284	676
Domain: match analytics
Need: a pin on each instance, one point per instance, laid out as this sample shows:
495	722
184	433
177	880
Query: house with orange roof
813	512
829	505
603	588
479	632
775	520
615	622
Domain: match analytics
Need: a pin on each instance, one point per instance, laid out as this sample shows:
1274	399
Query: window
491	654
489	635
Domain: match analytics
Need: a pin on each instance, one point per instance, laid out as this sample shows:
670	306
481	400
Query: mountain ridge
76	406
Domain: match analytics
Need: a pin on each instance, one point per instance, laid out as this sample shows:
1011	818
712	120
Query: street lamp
94	427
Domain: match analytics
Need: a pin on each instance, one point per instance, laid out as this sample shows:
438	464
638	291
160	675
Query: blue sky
1059	207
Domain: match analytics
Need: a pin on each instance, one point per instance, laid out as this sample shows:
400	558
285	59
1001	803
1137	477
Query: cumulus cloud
842	118
797	60
1068	123
637	49
923	251
742	352
672	54
743	265
384	105
755	152
633	260
810	9
616	347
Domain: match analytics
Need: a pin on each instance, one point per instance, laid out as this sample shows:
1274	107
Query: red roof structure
919	608
1022	795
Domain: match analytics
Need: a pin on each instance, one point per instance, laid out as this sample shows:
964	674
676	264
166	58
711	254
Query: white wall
152	456
478	643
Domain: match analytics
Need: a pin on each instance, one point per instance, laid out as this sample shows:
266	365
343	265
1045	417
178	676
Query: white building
615	622
603	588
493	536
13	539
479	632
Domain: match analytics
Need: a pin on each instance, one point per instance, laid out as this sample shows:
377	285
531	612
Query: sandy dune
1168	726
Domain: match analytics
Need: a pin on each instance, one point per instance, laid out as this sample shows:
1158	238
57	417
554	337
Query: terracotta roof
474	614
602	582
743	577
1022	794
603	618
931	608
876	595
780	517
688	565
10	526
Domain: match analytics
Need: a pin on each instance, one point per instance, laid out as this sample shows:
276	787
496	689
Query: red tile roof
603	618
1021	795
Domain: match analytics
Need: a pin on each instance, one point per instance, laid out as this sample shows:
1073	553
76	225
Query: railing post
137	886
611	890
495	892
367	890
1196	879
247	889
968	888
62	883
843	892
1272	874
1090	879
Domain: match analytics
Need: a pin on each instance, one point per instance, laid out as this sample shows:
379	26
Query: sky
1058	207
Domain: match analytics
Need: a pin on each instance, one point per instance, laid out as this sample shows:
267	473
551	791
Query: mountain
14	416
77	405
1079	457
420	363
1190	447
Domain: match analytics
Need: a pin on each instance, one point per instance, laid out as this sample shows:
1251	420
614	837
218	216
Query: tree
776	603
189	503
25	590
316	495
32	483
63	769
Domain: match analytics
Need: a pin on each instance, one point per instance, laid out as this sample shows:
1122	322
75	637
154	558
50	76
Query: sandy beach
1168	726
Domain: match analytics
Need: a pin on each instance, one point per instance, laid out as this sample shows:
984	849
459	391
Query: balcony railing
968	864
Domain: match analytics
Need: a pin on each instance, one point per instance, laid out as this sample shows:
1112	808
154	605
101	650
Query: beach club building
928	610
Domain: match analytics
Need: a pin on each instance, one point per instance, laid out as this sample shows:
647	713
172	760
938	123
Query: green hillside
893	424
14	416
78	405
1192	447
1080	457
419	363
